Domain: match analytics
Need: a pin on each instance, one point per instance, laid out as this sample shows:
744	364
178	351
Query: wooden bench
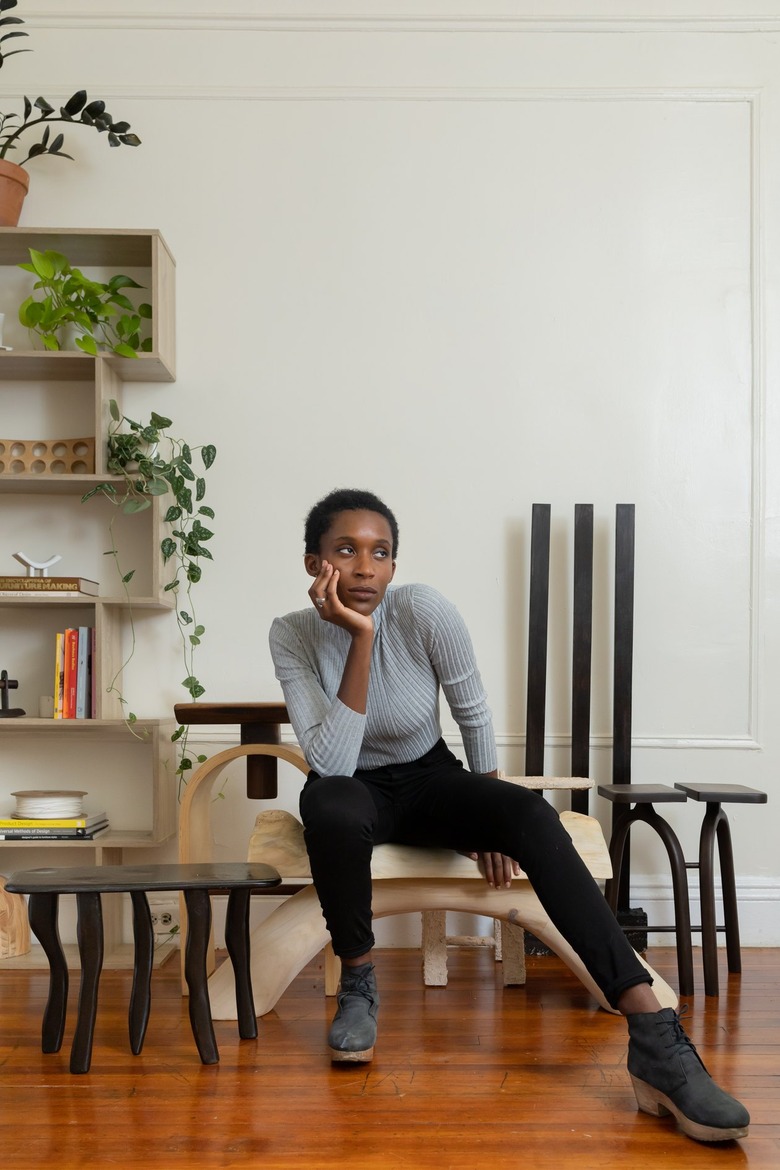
406	879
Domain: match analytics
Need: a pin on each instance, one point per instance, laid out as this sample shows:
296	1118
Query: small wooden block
47	456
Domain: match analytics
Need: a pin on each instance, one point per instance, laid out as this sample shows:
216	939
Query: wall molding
452	23
216	740
758	899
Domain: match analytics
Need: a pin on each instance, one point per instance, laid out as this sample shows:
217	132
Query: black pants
436	802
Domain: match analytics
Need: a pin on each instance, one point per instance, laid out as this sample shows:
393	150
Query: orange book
58	676
71	674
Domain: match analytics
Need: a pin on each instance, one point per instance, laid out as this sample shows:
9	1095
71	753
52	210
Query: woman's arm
329	729
448	645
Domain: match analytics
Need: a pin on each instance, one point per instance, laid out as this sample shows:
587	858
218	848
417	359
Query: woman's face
360	545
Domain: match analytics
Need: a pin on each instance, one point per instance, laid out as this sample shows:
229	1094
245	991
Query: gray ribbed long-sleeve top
420	644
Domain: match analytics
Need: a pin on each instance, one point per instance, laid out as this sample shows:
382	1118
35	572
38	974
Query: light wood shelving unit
108	375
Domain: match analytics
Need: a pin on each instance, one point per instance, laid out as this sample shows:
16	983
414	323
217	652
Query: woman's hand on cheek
324	595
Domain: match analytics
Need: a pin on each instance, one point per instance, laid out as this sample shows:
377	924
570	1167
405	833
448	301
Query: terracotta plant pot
14	184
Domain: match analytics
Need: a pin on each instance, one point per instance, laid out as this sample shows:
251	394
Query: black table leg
198	929
42	912
90	940
237	940
141	994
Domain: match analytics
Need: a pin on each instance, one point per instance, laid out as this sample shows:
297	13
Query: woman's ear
311	563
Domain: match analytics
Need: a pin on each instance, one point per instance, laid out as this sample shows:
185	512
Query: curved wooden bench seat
406	880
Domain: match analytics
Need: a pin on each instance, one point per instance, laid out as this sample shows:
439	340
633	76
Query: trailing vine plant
135	453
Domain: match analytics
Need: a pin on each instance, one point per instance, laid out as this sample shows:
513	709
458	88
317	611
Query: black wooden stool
196	881
643	797
716	823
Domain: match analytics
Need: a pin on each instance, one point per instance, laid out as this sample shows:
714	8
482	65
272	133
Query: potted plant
78	110
153	463
100	312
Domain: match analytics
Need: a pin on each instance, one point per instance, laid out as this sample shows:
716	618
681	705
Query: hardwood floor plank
468	1076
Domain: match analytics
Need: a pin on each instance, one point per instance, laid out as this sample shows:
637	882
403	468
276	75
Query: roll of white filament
35	804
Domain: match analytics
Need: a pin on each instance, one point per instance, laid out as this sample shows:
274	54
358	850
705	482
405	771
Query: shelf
30	483
105	728
118	250
135	603
66	365
122	247
51	392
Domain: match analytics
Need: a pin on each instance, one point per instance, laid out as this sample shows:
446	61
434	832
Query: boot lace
676	1036
360	984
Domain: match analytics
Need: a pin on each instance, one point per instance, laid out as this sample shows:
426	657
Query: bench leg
513	954
42	912
199	927
237	940
141	994
434	948
90	940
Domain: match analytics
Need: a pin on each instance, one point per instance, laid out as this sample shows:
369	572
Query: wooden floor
468	1076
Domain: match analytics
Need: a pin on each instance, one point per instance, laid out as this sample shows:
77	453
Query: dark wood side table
259	723
88	883
716	824
635	802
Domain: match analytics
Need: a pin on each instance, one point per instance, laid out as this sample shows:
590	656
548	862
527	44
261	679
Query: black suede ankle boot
353	1032
669	1077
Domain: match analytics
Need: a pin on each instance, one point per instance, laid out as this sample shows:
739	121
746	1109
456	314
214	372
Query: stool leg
729	888
617	846
682	906
90	940
198	929
143	961
42	912
709	943
237	940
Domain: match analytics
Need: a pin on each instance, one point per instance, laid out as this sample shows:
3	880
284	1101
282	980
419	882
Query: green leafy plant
152	463
78	110
101	312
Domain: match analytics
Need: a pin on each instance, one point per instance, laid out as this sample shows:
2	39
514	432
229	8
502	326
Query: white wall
470	262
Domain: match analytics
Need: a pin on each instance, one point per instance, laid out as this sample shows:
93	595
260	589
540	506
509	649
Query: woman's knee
338	807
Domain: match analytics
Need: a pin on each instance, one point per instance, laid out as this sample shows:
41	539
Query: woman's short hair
320	518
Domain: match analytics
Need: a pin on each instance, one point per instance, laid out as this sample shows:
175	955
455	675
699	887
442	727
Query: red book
71	674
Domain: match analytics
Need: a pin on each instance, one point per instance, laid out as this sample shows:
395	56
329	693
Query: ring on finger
319	602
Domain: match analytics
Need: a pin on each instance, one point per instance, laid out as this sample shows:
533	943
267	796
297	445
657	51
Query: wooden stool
196	881
716	823
643	797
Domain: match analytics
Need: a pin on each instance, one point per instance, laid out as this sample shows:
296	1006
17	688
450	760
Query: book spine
30	592
55	835
49	585
9	833
81	673
45	823
92	672
71	671
59	677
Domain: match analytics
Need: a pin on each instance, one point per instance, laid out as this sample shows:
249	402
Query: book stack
52	816
74	680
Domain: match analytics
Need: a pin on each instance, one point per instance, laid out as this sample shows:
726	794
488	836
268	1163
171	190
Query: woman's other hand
498	869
